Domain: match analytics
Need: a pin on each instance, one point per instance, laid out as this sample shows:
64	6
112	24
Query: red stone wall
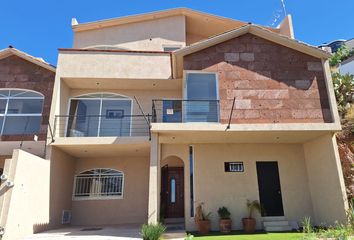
271	83
16	72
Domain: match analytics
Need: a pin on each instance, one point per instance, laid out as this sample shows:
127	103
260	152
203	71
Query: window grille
98	184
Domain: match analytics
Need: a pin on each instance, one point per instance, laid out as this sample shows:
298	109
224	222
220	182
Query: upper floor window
99	183
100	114
20	111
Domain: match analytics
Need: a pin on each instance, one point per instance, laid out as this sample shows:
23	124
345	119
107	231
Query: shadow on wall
267	76
40	227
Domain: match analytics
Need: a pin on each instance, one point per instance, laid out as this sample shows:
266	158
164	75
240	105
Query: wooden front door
269	189
172	192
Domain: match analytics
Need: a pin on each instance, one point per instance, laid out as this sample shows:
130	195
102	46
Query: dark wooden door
269	188
173	195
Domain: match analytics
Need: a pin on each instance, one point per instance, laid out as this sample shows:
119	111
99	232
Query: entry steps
175	229
276	224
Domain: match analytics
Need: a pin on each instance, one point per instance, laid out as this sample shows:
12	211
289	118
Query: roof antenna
283	4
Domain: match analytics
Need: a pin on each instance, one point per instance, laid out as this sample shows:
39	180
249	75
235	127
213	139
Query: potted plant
249	223
202	220
225	222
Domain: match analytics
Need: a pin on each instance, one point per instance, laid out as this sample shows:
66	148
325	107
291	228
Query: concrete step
270	219
275	223
278	228
175	235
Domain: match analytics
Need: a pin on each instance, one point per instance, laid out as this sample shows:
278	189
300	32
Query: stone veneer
271	83
16	72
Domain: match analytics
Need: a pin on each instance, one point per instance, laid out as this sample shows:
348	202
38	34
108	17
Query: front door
269	189
172	188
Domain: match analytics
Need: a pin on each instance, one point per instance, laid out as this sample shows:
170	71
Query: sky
40	27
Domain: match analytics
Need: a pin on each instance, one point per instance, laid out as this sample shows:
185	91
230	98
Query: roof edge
258	31
40	62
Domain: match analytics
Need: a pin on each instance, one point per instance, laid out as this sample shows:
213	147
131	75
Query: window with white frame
20	111
99	183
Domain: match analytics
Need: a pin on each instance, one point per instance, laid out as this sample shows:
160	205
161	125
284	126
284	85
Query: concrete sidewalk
114	232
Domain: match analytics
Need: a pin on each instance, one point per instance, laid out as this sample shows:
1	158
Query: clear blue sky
40	27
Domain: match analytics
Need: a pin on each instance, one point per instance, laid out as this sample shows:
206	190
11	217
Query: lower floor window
98	183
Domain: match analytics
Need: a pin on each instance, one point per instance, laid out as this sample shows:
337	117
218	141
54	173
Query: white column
153	211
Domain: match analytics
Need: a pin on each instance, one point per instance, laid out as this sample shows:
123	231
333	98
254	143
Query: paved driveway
116	232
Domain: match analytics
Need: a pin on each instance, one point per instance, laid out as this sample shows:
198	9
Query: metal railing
101	125
180	111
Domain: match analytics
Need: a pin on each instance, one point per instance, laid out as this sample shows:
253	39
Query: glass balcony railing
182	111
101	125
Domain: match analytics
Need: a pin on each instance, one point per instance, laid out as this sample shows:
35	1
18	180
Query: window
201	93
100	114
20	111
234	167
98	183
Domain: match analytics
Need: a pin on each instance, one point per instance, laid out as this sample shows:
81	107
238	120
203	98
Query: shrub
254	205
152	231
200	215
224	213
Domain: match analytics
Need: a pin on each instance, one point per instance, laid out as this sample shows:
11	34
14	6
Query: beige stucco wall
147	35
61	184
132	208
326	180
217	188
28	209
121	65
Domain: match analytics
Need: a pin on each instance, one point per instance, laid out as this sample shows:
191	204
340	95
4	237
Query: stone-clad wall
16	72
271	83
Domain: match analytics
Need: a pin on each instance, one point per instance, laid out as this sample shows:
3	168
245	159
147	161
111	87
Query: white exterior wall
147	36
347	68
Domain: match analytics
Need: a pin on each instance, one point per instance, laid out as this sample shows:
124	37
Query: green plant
342	54
152	231
343	86
200	215
339	231
307	229
252	206
224	213
189	237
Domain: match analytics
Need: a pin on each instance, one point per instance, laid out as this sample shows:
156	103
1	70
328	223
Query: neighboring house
346	66
156	113
26	87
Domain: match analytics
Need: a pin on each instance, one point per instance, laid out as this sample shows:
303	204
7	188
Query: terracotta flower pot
225	225
249	224
204	226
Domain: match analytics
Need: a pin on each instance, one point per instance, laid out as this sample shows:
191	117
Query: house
156	113
26	86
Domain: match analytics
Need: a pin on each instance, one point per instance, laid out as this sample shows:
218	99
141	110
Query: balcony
183	111
111	125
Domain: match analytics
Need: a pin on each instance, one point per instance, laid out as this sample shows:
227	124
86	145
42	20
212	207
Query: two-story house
156	113
26	87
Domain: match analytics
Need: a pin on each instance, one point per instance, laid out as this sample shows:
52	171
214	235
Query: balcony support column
154	180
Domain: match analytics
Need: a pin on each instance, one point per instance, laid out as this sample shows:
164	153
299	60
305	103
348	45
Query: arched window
98	183
100	114
20	111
